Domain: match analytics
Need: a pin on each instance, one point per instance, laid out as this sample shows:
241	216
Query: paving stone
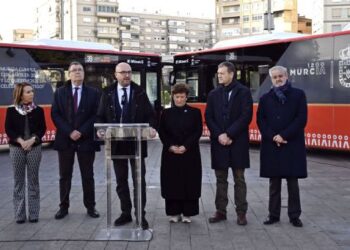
325	197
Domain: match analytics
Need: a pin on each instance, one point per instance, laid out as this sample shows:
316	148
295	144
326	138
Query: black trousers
66	162
121	170
185	207
294	207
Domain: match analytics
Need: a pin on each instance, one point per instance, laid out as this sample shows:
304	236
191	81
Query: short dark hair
180	88
18	92
230	66
75	63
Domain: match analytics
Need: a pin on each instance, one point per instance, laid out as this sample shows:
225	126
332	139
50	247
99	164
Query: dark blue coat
240	111
288	120
65	120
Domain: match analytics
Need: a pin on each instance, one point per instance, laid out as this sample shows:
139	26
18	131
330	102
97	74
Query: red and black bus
318	64
45	63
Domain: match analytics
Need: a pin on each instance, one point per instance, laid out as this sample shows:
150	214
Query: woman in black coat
181	169
25	126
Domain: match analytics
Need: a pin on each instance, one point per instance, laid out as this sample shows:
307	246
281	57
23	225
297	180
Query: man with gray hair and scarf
281	118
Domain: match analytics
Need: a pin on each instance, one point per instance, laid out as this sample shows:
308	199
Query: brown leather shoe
217	217
241	219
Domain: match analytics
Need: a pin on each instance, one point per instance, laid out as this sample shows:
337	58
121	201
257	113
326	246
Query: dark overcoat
288	120
141	111
181	174
239	114
66	121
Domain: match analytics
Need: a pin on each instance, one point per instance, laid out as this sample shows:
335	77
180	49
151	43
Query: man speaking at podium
126	102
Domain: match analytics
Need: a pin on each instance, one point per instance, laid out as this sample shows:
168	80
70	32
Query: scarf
24	109
280	91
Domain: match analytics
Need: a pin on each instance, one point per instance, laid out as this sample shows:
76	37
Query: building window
228	20
336	13
102	20
348	12
245	18
230	9
256	17
107	9
87	19
86	9
336	27
246	30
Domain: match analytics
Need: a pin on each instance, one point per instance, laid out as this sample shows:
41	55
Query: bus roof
70	45
257	39
260	40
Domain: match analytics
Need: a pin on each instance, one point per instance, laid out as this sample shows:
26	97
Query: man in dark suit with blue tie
73	113
126	102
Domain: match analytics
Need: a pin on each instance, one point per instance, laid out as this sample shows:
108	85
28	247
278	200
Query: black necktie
75	98
124	99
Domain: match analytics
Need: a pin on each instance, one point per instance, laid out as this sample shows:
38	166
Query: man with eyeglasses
126	102
73	113
281	118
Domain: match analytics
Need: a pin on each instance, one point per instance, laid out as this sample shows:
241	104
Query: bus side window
254	80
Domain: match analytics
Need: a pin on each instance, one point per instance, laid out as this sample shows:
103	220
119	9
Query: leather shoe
122	220
33	220
20	221
93	213
271	220
144	224
217	217
61	213
242	219
296	222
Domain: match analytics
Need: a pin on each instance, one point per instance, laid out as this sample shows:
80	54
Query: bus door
252	76
191	77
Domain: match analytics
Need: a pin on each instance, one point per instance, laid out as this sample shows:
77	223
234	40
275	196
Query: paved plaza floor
325	196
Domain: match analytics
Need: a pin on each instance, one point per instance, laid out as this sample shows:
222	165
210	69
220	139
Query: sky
16	14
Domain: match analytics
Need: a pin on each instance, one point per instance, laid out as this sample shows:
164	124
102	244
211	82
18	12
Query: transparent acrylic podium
133	134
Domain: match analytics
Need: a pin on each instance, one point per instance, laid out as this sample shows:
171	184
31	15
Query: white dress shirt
121	93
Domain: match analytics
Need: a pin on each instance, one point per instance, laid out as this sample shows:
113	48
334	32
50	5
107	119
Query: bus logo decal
314	68
344	67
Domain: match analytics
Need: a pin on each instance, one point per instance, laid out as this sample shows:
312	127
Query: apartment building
336	15
246	17
102	21
164	34
304	25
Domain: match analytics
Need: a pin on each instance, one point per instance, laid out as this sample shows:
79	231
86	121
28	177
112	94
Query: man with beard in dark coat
228	114
126	102
282	117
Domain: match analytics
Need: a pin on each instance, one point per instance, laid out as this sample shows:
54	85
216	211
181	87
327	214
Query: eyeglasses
124	72
76	70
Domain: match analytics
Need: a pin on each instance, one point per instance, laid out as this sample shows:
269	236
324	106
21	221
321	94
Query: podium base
127	234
